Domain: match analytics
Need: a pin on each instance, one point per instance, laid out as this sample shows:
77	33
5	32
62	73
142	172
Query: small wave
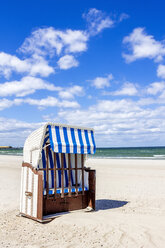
108	157
12	153
159	156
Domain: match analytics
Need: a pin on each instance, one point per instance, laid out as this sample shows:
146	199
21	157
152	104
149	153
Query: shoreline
161	158
16	161
133	158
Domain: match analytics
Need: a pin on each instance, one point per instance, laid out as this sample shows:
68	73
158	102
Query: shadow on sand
104	204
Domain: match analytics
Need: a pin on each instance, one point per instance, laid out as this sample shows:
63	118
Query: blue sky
92	63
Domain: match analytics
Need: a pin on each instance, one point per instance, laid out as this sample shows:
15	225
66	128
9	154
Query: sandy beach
130	209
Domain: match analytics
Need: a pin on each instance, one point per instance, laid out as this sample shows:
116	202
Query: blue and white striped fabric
71	140
59	165
65	140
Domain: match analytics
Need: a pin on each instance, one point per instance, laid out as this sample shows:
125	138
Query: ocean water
117	153
12	151
131	152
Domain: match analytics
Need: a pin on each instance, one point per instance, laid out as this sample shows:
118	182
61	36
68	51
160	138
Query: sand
130	209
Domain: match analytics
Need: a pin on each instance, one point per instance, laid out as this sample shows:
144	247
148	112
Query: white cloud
74	41
43	103
146	101
71	92
9	63
48	41
162	97
123	16
14	132
51	118
97	21
159	100
101	82
51	102
13	124
6	103
39	66
142	45
155	88
108	112
66	62
121	122
34	66
161	71
26	86
116	105
128	89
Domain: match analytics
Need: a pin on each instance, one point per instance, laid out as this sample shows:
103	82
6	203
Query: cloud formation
42	103
97	21
51	101
27	85
161	71
128	89
6	103
155	88
67	61
101	82
69	93
13	130
117	120
33	66
141	45
50	41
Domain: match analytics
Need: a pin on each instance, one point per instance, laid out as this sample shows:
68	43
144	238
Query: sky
98	64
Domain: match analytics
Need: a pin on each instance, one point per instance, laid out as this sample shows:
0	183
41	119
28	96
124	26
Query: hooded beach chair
54	177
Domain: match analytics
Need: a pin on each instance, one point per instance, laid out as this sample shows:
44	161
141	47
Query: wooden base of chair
51	205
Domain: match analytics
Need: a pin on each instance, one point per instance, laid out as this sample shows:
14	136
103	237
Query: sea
115	153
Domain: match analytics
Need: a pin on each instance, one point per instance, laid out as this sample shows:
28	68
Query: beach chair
54	177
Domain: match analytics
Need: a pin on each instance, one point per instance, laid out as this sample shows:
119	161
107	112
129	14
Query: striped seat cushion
66	190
